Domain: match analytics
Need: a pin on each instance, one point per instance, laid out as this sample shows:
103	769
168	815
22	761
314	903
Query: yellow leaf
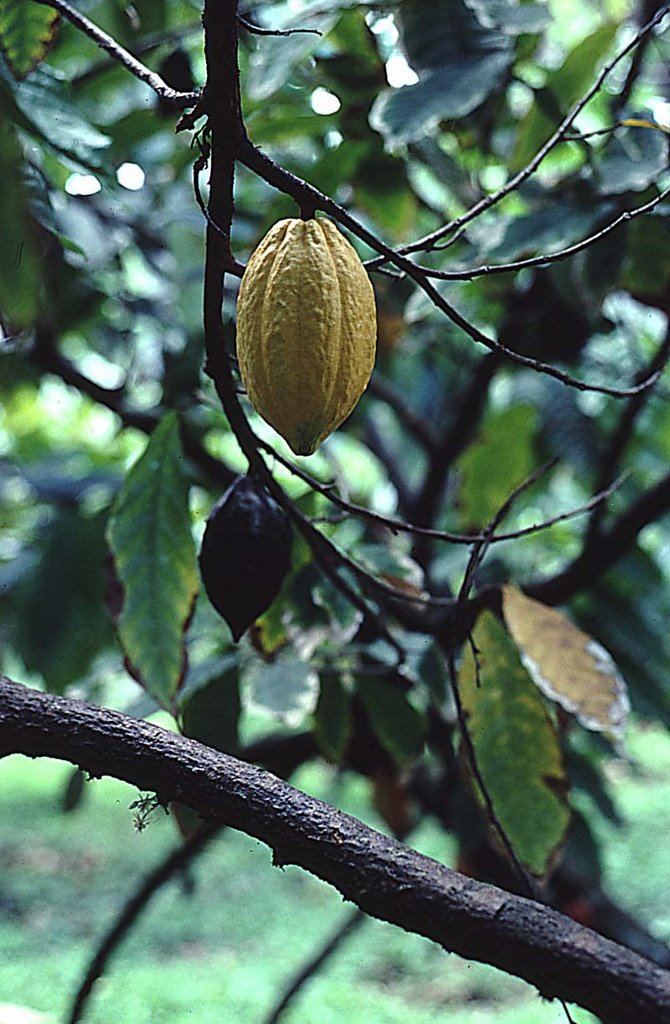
566	664
639	122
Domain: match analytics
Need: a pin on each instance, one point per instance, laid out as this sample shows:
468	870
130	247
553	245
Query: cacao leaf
27	31
211	711
566	664
516	745
150	538
20	263
398	726
286	689
62	624
459	62
332	718
245	553
500	458
564	85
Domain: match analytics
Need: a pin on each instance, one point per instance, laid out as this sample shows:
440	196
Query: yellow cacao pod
306	329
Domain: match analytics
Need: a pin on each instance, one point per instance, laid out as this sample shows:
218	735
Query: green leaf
150	537
647	270
563	87
211	709
27	30
499	459
516	746
550	227
44	107
20	263
459	62
332	718
632	161
61	619
276	56
398	726
287	688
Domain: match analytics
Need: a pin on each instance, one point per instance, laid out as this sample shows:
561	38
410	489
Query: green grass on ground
223	948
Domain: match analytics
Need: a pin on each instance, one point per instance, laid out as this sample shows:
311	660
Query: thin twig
144	45
546	258
180	100
401	526
482	545
176	861
258	31
259	162
604	548
343	931
426	243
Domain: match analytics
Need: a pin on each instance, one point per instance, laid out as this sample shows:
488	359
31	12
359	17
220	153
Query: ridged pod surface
306	329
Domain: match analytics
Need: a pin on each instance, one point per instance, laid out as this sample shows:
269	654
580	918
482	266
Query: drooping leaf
566	664
516	746
332	718
510	16
459	61
61	619
43	106
20	263
27	30
500	458
150	538
632	161
287	689
562	88
397	724
210	704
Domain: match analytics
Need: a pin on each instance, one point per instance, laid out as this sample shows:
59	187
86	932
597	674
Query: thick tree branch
382	876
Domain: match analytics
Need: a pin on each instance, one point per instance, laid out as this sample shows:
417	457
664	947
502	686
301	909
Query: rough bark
382	876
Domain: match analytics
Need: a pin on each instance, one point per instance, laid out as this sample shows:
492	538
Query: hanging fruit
245	553
306	329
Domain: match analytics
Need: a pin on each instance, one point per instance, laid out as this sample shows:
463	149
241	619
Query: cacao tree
462	594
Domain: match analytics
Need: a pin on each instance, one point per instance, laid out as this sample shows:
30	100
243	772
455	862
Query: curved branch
545	259
177	860
382	876
179	100
428	241
352	921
